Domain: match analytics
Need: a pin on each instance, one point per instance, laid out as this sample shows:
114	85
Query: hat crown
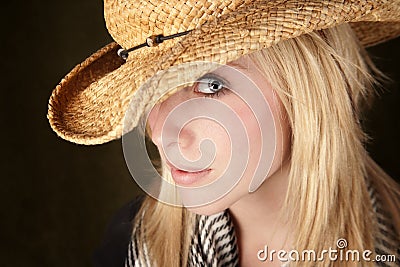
131	22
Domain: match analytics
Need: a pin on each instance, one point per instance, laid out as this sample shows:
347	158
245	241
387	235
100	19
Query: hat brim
88	106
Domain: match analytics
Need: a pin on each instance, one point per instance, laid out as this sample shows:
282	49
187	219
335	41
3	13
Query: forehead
243	63
242	67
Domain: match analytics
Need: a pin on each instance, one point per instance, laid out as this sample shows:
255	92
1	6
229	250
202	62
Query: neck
258	218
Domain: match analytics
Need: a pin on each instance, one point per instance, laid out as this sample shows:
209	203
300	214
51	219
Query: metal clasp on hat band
151	41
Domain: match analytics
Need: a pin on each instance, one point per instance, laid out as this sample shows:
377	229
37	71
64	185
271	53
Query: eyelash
210	79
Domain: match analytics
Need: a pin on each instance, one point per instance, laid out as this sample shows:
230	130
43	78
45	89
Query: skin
255	215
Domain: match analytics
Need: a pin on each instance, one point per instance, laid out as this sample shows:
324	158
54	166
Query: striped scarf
213	244
214	241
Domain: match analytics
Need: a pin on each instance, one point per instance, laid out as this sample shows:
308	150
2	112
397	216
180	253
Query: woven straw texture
89	104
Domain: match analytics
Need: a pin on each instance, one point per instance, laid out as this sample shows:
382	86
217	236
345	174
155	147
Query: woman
300	180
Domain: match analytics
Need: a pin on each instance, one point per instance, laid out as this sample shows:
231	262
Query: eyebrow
237	65
215	75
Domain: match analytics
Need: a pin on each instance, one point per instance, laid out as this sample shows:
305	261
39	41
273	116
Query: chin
206	210
219	205
213	207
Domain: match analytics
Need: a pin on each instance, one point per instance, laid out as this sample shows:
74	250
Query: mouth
187	178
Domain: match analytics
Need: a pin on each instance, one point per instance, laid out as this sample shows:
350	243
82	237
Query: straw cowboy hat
89	104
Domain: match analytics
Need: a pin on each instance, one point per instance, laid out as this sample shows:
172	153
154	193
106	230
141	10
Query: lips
188	177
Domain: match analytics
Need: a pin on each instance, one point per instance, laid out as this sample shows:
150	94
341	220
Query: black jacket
113	248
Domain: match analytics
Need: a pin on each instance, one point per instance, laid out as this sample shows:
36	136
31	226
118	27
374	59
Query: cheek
282	132
274	140
205	130
254	140
152	118
251	124
249	121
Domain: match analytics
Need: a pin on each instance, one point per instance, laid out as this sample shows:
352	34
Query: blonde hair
322	79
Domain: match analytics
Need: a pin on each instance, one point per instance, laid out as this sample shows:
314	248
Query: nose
159	129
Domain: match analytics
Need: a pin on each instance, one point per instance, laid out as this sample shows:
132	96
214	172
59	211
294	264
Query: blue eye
209	86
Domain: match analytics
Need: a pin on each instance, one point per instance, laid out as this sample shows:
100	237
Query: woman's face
243	89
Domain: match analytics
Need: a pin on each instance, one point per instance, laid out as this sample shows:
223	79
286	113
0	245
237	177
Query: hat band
153	40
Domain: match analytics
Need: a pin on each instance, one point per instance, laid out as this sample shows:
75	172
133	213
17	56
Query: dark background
57	197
